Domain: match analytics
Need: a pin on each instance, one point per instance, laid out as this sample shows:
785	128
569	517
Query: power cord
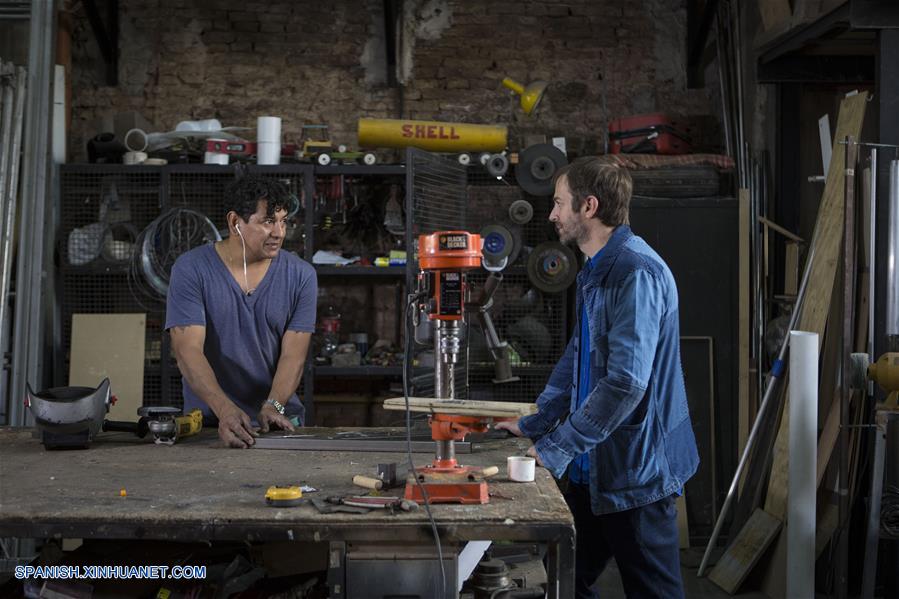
407	366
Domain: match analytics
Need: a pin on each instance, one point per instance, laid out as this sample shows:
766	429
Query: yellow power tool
168	424
884	372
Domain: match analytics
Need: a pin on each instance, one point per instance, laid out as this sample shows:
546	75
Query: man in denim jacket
614	415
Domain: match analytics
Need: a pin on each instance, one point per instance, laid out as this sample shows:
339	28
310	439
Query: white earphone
244	248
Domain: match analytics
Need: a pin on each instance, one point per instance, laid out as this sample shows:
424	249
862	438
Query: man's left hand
269	416
532	451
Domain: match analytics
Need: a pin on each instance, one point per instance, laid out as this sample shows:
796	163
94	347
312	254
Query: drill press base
462	484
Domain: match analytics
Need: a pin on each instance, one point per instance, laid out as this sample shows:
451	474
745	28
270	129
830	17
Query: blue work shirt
243	332
579	471
635	422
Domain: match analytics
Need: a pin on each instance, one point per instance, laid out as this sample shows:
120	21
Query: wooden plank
748	546
683	525
463	407
785	232
816	303
110	345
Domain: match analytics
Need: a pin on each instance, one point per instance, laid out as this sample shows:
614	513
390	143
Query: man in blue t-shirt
241	313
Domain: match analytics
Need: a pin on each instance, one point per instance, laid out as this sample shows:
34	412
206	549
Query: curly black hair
243	196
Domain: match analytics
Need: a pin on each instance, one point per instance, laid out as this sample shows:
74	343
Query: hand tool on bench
277	496
167	424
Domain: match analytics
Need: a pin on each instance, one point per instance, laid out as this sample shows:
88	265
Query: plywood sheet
110	345
739	559
816	302
465	407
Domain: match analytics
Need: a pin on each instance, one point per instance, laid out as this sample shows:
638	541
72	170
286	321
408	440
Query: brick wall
323	62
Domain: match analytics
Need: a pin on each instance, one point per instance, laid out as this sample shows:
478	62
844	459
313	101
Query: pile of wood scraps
826	310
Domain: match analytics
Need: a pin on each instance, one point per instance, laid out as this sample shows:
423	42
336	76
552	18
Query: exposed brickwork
316	62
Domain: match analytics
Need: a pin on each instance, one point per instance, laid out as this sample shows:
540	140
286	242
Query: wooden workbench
199	490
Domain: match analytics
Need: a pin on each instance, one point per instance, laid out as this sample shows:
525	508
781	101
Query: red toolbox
647	134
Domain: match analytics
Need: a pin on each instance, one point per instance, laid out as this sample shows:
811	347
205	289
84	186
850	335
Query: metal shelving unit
436	198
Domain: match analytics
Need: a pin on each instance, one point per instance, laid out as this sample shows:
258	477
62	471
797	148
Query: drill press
443	292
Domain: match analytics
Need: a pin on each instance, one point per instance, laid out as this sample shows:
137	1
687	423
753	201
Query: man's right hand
509	425
236	428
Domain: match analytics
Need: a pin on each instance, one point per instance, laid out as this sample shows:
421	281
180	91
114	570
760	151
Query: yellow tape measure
283	496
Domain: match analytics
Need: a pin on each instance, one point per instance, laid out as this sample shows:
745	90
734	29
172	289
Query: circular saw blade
552	267
536	166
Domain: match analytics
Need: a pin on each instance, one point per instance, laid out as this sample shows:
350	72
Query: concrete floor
609	584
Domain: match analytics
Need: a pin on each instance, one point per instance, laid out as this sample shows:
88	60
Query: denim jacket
635	422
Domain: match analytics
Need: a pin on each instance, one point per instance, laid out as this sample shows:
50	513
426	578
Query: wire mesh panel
106	212
438	193
102	211
533	322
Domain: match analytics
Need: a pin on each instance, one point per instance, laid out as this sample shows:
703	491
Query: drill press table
198	490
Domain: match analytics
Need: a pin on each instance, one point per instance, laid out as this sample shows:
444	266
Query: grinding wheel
536	166
498	242
497	165
521	212
552	267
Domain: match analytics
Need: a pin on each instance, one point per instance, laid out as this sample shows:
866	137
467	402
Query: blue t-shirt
243	332
579	471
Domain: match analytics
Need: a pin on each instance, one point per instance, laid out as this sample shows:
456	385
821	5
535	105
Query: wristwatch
275	404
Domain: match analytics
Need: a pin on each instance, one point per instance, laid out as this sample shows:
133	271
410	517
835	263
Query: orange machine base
460	486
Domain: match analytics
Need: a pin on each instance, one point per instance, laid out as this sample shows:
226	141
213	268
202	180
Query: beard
572	232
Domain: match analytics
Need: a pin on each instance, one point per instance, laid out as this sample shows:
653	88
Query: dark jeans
643	541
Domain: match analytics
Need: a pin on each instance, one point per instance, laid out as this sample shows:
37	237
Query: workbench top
197	489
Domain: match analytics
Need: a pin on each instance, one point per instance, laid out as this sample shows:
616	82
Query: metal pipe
846	343
9	182
758	256
28	345
777	371
725	114
872	260
892	292
446	450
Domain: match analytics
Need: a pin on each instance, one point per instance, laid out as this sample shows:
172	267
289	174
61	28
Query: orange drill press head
444	258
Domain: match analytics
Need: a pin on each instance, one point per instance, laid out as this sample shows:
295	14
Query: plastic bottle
330	324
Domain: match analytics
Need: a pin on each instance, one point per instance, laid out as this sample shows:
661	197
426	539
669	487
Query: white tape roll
215	158
268	129
521	468
268	153
134	157
136	140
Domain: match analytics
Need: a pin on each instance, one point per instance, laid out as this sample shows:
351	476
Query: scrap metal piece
378	445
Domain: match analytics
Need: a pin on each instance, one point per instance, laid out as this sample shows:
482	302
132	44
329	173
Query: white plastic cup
521	468
268	129
268	153
215	158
